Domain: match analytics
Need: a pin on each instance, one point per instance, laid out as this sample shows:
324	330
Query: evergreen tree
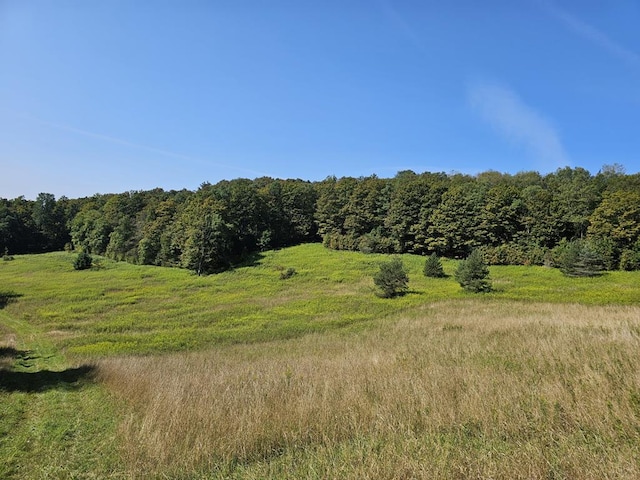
433	267
580	259
392	278
472	274
83	261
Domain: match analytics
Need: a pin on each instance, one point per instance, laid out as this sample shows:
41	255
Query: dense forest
514	219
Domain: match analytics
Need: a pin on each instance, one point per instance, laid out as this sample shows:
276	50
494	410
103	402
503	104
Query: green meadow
121	308
117	371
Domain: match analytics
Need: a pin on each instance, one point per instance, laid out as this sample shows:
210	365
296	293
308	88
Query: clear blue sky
109	96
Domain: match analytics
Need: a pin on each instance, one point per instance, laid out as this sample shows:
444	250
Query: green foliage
49	217
455	223
413	200
607	250
83	261
617	218
90	231
514	219
579	258
574	197
515	254
433	267
207	241
392	278
630	259
375	242
472	273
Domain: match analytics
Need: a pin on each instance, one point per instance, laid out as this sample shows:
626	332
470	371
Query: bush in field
473	274
392	278
83	261
6	257
433	267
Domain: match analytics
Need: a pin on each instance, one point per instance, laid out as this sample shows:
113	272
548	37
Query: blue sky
110	96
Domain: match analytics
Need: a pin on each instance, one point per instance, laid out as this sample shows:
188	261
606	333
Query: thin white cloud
512	118
126	143
589	32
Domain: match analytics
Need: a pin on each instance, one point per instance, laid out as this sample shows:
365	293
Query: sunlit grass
245	375
123	308
51	430
465	389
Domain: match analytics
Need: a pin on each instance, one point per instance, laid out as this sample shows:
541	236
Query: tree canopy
514	219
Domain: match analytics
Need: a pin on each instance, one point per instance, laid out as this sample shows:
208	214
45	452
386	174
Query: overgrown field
145	372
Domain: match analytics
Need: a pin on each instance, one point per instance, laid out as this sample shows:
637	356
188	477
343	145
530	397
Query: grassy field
145	372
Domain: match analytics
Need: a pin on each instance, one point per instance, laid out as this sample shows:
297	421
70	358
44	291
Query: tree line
513	219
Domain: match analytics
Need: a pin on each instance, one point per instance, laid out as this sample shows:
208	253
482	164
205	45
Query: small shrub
6	257
288	273
392	278
473	274
83	261
433	267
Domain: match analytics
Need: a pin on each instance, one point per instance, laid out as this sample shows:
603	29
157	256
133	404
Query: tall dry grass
454	390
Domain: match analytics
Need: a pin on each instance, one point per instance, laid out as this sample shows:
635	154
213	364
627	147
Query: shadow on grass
44	380
252	259
10	352
40	381
7	297
413	292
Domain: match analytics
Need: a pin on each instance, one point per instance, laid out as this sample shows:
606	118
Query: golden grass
464	389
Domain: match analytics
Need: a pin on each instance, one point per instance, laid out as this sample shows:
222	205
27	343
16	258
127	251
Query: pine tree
580	259
83	261
392	278
472	274
433	267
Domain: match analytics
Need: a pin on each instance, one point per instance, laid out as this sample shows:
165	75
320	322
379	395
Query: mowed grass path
122	308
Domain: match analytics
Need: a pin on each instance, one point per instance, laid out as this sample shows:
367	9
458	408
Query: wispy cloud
589	32
518	122
138	146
